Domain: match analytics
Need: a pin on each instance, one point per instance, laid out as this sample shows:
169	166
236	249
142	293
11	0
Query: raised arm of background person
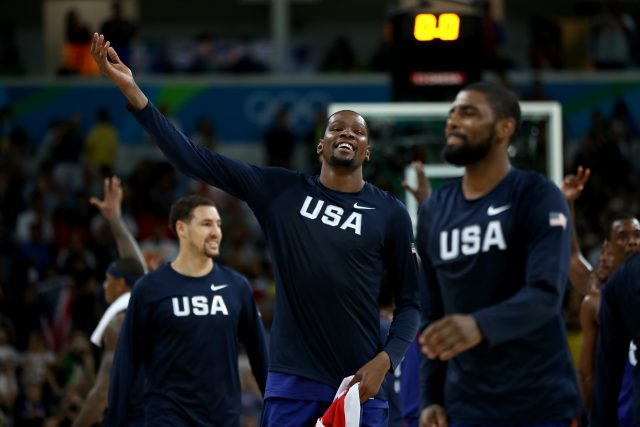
251	335
116	71
619	323
422	191
128	358
587	362
579	268
540	299
432	371
401	266
96	401
111	209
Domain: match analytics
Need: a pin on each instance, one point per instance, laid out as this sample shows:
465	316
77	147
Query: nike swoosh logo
357	206
495	211
217	288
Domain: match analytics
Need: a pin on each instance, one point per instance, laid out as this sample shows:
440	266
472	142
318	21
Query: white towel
345	409
120	304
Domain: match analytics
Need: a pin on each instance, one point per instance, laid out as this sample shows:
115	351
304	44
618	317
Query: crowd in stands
55	246
608	39
55	250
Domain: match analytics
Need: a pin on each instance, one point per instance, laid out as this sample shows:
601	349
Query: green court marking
40	97
604	93
176	96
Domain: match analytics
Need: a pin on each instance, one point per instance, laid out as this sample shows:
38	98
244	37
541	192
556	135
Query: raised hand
423	190
111	206
572	185
450	336
115	70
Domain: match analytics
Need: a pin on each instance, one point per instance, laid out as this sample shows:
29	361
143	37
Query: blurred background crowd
55	246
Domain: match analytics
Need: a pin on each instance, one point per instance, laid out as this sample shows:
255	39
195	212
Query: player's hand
111	206
450	336
572	185
423	190
114	70
433	416
371	375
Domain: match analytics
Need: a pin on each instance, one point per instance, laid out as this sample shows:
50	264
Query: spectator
101	145
280	140
611	35
340	57
119	30
204	134
76	58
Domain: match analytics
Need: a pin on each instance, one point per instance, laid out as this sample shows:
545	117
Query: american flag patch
557	219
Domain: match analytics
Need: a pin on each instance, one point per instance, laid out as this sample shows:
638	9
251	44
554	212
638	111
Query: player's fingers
424	348
356	378
94	201
113	55
441	419
451	352
101	45
94	38
437	343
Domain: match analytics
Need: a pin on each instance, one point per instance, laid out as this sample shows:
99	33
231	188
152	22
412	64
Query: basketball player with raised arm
332	237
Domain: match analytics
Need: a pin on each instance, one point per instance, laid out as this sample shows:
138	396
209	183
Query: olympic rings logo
261	106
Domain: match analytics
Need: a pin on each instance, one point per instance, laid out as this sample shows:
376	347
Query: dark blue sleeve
549	232
432	371
611	353
126	362
237	178
402	275
251	335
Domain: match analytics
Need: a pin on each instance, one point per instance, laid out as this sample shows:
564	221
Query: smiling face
202	233
346	141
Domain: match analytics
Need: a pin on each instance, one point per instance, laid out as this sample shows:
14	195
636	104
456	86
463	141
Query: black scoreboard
432	55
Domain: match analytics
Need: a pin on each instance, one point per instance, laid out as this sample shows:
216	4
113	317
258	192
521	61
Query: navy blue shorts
281	412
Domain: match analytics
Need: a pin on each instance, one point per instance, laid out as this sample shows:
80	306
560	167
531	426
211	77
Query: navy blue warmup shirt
619	324
502	258
330	250
185	332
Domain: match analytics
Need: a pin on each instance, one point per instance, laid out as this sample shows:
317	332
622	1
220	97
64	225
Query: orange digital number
429	27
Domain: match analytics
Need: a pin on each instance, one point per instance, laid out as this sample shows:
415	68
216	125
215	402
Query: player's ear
506	127
319	147
180	228
368	153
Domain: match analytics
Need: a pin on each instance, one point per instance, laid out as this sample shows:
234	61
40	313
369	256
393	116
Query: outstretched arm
232	176
116	71
579	267
110	208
